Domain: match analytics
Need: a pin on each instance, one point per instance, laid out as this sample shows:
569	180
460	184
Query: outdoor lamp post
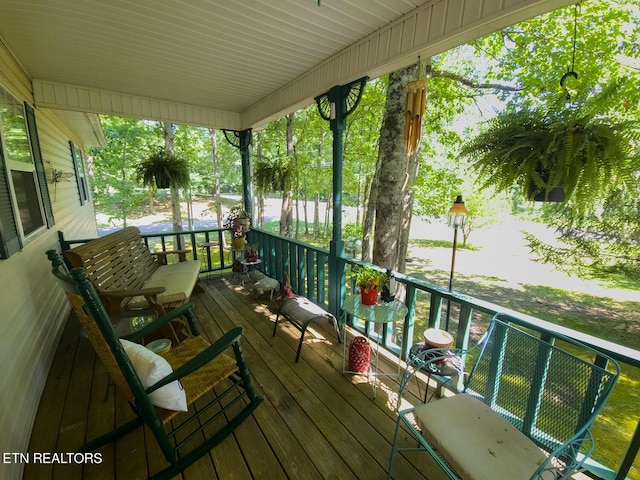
457	219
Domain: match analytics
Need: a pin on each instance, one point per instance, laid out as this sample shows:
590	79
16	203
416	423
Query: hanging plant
273	175
574	148
163	170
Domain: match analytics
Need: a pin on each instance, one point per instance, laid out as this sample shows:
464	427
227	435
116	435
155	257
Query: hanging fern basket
163	170
554	154
545	191
536	194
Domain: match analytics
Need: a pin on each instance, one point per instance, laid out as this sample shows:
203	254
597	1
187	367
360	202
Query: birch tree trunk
217	200
392	173
370	217
173	191
286	214
407	211
260	190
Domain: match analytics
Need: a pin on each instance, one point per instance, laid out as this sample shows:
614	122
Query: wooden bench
128	276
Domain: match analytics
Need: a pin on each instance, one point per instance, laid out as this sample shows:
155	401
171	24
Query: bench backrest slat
118	261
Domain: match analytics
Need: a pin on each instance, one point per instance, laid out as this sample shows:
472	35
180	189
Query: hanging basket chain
571	72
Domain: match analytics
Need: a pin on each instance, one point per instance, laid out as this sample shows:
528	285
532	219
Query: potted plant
238	238
574	149
238	223
238	218
251	252
370	281
163	170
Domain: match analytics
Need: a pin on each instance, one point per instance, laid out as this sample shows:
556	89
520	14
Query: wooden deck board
315	422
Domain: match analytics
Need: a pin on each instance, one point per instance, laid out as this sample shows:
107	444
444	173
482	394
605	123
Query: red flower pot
251	257
368	296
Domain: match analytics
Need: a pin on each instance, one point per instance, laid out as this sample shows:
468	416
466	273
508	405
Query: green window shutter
37	160
78	169
9	237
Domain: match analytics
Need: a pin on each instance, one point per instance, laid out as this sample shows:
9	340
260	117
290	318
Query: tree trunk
260	190
174	192
327	215
286	212
392	175
316	201
370	217
217	199
407	211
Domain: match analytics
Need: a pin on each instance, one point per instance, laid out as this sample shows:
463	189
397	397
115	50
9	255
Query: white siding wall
32	305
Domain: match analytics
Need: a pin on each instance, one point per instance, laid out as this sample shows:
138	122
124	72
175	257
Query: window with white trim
25	206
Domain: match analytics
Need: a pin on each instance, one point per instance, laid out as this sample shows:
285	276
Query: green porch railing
307	267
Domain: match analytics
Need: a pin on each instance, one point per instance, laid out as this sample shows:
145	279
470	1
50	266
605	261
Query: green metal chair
524	412
220	383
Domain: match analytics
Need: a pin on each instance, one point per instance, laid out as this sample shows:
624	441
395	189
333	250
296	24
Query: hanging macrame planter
416	99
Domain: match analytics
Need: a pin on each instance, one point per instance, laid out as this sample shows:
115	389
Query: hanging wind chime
414	112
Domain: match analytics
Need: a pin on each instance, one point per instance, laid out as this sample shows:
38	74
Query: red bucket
359	354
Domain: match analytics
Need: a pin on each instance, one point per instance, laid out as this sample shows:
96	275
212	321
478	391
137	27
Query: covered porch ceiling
228	63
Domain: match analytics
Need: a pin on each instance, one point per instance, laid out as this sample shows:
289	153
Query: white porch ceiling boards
229	63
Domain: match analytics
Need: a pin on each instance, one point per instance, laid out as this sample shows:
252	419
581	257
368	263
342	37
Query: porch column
242	141
335	106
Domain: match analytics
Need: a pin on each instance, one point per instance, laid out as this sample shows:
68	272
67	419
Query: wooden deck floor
315	422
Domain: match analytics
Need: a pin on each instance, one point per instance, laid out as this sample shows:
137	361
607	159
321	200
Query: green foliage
236	212
274	175
601	242
574	146
368	278
435	189
485	207
115	188
251	248
352	230
162	169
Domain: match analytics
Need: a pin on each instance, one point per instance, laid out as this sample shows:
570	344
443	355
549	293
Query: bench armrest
113	299
183	310
573	453
162	256
153	291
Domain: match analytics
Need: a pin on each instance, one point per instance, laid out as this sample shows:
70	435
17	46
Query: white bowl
160	346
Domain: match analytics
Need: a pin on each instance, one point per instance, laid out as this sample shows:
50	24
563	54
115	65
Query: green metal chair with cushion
162	389
525	410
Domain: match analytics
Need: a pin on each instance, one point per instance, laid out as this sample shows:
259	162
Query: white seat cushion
476	441
179	279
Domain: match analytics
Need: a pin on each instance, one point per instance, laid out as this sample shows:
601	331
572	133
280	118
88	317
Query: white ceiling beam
82	99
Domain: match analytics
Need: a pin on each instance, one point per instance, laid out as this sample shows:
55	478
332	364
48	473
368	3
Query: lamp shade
457	213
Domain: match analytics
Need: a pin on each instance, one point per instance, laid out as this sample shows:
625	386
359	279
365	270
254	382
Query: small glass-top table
379	313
